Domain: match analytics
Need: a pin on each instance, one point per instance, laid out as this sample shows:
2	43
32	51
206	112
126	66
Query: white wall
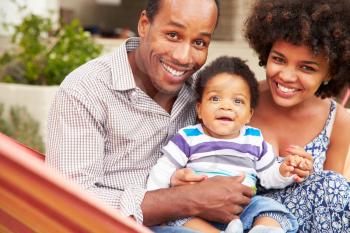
10	14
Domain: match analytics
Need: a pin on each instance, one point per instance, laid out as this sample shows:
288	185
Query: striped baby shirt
248	153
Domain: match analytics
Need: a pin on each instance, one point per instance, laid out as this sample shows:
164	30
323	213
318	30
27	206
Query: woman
305	47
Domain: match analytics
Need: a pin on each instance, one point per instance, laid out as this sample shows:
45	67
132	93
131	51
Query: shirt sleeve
267	168
76	145
272	178
172	159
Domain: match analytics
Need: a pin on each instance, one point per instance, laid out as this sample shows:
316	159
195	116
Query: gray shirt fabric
105	133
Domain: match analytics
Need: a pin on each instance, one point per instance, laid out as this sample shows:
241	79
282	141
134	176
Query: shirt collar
122	77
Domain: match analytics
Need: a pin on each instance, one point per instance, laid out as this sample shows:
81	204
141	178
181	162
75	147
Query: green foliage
44	56
21	127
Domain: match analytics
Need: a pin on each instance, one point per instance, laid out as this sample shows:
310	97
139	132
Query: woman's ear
327	79
143	24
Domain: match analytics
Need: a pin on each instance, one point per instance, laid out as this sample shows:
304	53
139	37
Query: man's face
175	44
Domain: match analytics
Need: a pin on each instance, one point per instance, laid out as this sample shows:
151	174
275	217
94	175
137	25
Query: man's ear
143	24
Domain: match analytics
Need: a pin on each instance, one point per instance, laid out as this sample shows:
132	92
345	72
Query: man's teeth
285	89
172	71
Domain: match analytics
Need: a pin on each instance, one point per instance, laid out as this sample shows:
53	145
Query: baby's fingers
185	176
301	173
286	170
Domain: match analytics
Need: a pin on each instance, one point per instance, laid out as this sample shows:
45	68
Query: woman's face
294	73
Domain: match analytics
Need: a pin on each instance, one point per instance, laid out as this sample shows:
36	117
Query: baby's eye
215	98
238	101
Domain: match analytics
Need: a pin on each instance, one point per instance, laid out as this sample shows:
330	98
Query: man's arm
216	199
76	148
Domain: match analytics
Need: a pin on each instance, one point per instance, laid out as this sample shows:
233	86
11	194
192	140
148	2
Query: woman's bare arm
339	142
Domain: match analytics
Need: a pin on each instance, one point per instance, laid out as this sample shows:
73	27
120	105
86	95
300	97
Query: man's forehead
189	7
183	3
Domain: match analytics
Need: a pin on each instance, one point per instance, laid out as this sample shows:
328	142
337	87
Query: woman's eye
308	68
278	59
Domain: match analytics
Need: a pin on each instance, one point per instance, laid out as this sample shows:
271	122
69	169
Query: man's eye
172	35
200	43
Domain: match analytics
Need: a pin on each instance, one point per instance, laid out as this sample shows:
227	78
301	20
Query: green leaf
46	55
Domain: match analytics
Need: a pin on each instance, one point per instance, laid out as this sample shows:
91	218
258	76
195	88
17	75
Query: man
112	115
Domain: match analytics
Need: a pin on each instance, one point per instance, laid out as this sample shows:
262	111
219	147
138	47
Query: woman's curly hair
323	25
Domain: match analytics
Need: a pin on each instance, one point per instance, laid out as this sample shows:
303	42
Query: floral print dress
321	202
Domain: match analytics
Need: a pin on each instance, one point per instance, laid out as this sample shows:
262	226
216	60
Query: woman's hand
185	176
301	161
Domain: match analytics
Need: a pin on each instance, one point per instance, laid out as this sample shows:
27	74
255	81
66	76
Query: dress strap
331	117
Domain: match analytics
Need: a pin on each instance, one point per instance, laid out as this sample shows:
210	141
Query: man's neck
166	101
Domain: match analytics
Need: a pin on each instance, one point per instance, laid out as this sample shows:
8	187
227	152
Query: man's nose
182	54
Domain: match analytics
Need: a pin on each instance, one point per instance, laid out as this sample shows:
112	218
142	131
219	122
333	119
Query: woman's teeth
285	89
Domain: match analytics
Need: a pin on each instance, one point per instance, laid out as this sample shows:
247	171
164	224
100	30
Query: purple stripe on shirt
264	150
182	144
217	145
221	145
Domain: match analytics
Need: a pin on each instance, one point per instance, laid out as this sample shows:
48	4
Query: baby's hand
301	161
288	165
185	176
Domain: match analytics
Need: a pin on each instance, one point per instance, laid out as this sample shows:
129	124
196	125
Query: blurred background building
110	22
113	20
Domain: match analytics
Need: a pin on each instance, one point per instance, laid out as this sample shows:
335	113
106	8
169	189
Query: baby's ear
250	117
198	110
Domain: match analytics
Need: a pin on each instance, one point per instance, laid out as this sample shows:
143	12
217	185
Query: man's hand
220	198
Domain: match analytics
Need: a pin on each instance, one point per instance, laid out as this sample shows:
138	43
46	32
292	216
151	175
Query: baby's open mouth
224	118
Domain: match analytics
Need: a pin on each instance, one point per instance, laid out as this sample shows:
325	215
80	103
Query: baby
223	144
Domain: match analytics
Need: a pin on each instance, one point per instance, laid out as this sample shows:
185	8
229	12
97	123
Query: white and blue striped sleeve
175	155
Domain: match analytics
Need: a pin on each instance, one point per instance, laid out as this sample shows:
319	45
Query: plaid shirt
105	133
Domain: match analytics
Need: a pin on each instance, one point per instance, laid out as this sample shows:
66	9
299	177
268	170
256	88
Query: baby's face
225	106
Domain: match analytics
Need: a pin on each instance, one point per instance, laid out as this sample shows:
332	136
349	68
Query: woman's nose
288	74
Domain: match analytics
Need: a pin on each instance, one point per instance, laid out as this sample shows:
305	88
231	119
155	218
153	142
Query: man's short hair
152	9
